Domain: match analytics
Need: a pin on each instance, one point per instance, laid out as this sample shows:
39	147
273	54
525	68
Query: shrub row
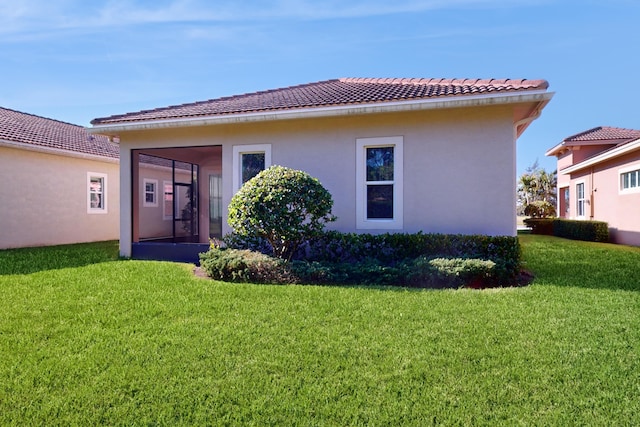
378	255
242	265
593	231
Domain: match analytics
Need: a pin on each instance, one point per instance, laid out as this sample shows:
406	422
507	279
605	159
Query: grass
86	338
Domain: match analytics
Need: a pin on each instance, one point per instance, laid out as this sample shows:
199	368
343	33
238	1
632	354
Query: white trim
627	169
103	177
618	151
362	222
584	199
154	203
238	151
332	111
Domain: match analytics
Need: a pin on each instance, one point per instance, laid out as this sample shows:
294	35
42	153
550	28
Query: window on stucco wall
150	192
630	180
96	193
248	161
379	186
580	200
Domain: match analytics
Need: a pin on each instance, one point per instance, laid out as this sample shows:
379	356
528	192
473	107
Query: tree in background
537	192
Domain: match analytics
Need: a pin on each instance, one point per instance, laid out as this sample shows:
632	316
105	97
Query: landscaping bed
413	260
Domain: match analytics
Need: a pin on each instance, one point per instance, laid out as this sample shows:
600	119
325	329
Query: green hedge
242	265
592	231
377	258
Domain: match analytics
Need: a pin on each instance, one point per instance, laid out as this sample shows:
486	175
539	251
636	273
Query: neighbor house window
580	201
167	200
248	161
630	180
150	192
379	187
97	192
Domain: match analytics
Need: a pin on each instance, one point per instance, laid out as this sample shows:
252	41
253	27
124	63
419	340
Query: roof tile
336	92
39	131
604	133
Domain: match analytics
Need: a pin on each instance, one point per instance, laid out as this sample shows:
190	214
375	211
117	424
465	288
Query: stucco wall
43	200
621	209
459	164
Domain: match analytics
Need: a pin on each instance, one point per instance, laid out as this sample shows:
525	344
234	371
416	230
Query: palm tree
536	184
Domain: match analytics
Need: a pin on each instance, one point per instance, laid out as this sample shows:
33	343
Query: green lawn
88	339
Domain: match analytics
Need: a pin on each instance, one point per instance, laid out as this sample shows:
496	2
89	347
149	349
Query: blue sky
75	60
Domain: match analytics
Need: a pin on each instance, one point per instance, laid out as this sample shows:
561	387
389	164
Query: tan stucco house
599	179
447	148
59	183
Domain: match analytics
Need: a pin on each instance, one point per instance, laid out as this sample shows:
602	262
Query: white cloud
45	16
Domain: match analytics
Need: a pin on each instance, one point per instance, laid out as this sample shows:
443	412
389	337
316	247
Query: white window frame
625	171
164	202
362	222
238	151
582	200
154	203
103	177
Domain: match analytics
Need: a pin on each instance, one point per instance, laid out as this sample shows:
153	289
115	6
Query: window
248	161
379	188
630	180
150	192
580	212
97	192
167	198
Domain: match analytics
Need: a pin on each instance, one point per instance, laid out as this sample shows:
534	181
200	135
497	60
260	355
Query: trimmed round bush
283	206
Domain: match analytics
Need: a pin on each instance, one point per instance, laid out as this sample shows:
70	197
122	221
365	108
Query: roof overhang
57	151
558	149
607	155
538	99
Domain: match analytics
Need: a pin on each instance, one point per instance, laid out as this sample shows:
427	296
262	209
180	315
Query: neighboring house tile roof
331	93
613	142
35	131
604	133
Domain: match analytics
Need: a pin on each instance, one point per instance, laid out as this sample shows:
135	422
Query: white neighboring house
59	184
397	155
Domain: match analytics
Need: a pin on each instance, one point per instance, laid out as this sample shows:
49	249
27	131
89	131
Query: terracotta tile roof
42	132
604	133
330	93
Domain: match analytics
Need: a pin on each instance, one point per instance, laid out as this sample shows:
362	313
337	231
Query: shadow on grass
572	263
32	260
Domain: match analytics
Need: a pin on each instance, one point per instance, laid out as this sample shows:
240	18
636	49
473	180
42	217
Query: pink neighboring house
58	183
599	179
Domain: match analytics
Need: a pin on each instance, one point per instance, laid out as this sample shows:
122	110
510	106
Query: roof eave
611	154
57	151
540	97
556	149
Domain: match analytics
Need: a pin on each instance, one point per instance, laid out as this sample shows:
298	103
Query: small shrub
233	265
452	272
593	231
540	209
283	206
314	272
